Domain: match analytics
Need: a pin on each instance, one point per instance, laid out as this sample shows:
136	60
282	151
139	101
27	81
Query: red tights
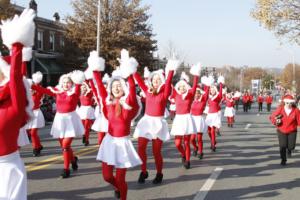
212	135
230	120
117	181
65	144
36	143
87	123
156	150
186	151
200	142
100	137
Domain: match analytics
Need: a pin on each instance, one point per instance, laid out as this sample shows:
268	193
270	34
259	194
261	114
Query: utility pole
98	27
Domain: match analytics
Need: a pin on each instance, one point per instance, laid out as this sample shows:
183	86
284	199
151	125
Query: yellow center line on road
53	160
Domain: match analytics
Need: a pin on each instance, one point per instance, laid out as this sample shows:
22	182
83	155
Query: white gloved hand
196	69
77	77
221	79
37	77
95	62
128	65
19	29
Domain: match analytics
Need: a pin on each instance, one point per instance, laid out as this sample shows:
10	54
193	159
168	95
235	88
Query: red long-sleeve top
260	99
246	98
37	99
87	99
12	104
251	98
65	102
214	102
198	106
289	122
156	103
118	126
183	104
229	102
269	99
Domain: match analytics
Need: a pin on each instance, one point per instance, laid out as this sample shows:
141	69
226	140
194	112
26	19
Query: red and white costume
229	111
13	183
66	124
116	150
197	110
153	126
213	118
183	124
86	112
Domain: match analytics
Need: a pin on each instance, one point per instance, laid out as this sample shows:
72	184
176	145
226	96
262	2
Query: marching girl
229	112
120	106
86	111
152	126
183	125
260	100
286	118
38	121
100	124
197	110
213	118
16	33
66	124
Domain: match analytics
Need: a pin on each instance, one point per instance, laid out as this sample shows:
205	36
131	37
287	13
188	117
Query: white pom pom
172	65
19	29
26	54
196	70
95	62
184	76
221	79
128	65
146	72
37	77
105	78
211	80
205	81
88	74
77	77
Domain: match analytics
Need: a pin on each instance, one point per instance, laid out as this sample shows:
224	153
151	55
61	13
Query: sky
213	32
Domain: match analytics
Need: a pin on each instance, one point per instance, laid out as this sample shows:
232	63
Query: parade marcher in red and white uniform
251	99
269	100
183	125
229	112
260	100
14	112
286	118
120	106
236	97
153	127
86	112
38	121
100	124
172	106
67	123
246	100
213	118
197	110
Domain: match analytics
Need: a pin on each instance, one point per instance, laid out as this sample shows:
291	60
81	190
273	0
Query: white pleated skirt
200	124
67	125
183	124
152	128
13	181
38	121
229	112
23	139
86	112
118	151
214	119
100	124
97	111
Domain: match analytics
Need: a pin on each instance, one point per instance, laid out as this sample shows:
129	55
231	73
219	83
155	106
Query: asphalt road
245	166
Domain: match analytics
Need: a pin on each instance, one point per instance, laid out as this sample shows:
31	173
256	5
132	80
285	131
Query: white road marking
258	114
247	126
208	184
